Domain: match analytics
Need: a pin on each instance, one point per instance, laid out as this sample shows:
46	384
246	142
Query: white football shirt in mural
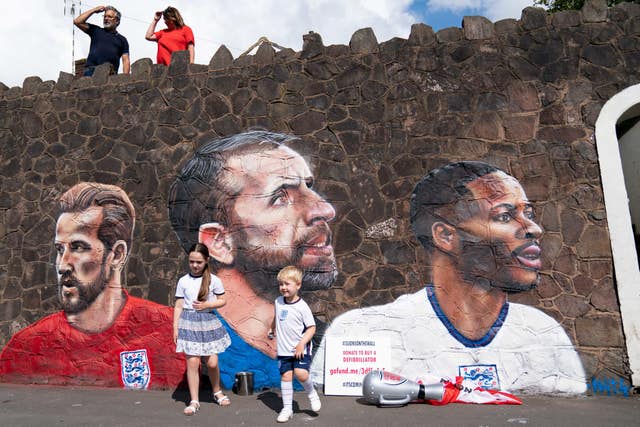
526	350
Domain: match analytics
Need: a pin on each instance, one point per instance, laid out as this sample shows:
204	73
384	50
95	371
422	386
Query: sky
39	37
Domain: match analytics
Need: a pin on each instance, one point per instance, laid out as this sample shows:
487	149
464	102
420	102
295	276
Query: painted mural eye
503	217
59	249
530	213
309	182
79	247
281	198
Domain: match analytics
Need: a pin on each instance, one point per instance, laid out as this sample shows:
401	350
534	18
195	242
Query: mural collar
481	342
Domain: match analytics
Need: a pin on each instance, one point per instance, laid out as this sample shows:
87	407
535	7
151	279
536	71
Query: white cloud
500	9
36	40
454	5
491	9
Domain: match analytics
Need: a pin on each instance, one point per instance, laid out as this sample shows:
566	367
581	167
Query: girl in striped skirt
197	331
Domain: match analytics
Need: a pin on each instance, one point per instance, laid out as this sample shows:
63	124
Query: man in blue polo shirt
107	45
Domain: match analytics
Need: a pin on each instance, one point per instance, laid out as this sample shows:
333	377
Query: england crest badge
135	369
485	376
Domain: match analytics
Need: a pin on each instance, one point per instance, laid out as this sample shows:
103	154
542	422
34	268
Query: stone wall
373	117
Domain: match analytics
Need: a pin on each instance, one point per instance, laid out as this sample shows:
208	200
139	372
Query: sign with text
349	359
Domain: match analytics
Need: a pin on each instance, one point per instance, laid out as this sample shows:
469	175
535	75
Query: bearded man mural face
81	259
277	219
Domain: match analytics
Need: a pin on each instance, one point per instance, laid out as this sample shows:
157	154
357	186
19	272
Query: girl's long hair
206	273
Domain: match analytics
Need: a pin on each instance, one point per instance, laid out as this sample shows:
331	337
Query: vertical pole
73	45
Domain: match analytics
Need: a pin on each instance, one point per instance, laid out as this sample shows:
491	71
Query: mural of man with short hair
480	231
251	200
103	336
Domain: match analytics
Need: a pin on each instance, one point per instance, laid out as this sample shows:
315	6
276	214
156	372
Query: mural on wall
480	232
250	199
103	336
374	117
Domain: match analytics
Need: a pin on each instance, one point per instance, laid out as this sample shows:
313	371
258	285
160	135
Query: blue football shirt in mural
241	357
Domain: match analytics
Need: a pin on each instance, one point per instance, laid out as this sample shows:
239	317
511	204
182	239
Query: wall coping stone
477	28
594	11
221	59
363	42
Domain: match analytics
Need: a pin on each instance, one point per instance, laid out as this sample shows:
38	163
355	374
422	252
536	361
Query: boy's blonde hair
290	272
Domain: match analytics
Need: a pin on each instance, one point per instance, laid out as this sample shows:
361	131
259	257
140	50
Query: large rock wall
373	117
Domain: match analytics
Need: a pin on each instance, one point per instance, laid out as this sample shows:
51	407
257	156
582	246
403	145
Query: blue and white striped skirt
200	333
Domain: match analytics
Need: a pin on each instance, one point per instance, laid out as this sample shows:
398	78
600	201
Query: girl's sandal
221	399
193	407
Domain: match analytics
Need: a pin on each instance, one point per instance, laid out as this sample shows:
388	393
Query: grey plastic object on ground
384	388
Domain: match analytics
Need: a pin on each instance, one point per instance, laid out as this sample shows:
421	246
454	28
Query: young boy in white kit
294	327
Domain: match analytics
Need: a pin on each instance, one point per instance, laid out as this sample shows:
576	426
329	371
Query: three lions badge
134	369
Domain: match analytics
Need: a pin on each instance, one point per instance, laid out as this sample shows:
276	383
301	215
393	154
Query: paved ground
82	406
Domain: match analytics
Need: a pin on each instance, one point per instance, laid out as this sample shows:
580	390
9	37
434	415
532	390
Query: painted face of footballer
501	238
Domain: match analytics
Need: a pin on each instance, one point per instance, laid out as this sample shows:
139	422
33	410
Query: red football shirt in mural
137	351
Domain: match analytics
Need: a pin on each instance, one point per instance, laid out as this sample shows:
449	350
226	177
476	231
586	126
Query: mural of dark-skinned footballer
103	336
481	233
251	200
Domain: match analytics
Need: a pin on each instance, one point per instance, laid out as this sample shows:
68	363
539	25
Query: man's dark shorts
289	363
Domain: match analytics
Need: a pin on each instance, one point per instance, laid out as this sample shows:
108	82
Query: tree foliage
557	5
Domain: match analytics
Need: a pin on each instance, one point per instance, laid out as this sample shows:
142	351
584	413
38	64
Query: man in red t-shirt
103	336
